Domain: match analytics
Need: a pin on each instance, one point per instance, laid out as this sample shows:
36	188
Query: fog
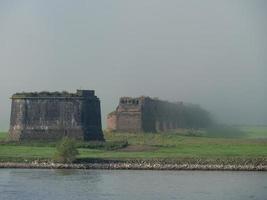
209	52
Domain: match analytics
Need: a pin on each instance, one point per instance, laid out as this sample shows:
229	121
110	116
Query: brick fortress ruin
145	114
49	116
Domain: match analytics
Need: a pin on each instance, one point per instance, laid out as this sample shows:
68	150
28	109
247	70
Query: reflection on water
26	184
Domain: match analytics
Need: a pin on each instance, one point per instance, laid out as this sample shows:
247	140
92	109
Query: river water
42	184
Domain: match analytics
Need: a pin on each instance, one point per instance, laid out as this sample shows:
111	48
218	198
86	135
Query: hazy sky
209	52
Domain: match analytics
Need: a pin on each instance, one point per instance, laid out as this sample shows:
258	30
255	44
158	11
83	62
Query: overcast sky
209	52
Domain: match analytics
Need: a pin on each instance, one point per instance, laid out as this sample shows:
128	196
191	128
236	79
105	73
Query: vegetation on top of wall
45	94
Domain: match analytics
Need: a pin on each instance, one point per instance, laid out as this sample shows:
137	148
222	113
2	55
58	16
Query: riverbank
166	151
135	166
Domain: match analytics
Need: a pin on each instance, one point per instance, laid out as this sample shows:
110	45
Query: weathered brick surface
112	122
56	115
144	114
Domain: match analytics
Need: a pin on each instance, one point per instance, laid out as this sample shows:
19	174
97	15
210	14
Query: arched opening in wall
157	125
167	125
161	126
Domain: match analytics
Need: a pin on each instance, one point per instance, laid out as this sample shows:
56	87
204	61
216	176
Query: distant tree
66	151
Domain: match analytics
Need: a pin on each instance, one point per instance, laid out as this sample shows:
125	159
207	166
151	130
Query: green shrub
108	145
66	151
115	145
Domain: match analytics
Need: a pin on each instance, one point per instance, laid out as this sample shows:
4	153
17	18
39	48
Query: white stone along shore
135	166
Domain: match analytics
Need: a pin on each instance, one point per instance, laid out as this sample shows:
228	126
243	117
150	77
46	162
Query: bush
66	151
108	145
115	145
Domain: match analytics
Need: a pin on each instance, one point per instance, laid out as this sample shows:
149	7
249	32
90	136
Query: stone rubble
134	166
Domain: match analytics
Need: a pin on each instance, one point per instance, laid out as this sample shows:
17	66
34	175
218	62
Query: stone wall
52	117
127	117
112	122
145	114
142	114
158	115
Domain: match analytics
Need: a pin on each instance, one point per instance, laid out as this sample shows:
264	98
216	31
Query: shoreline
134	166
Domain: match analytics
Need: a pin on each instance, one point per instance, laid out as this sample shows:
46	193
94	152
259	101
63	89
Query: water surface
27	184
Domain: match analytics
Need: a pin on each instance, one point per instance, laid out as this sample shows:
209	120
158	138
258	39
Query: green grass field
174	146
255	132
3	135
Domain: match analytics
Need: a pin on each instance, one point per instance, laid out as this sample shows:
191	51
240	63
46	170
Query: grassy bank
3	135
167	147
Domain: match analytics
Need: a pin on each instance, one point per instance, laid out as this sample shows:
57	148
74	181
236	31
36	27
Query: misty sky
209	52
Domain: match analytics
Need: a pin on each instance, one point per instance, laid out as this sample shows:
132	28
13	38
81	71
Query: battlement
131	101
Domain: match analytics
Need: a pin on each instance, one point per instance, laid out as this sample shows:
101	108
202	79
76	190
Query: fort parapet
53	115
145	114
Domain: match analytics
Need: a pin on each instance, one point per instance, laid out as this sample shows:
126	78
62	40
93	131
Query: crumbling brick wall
144	114
127	117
